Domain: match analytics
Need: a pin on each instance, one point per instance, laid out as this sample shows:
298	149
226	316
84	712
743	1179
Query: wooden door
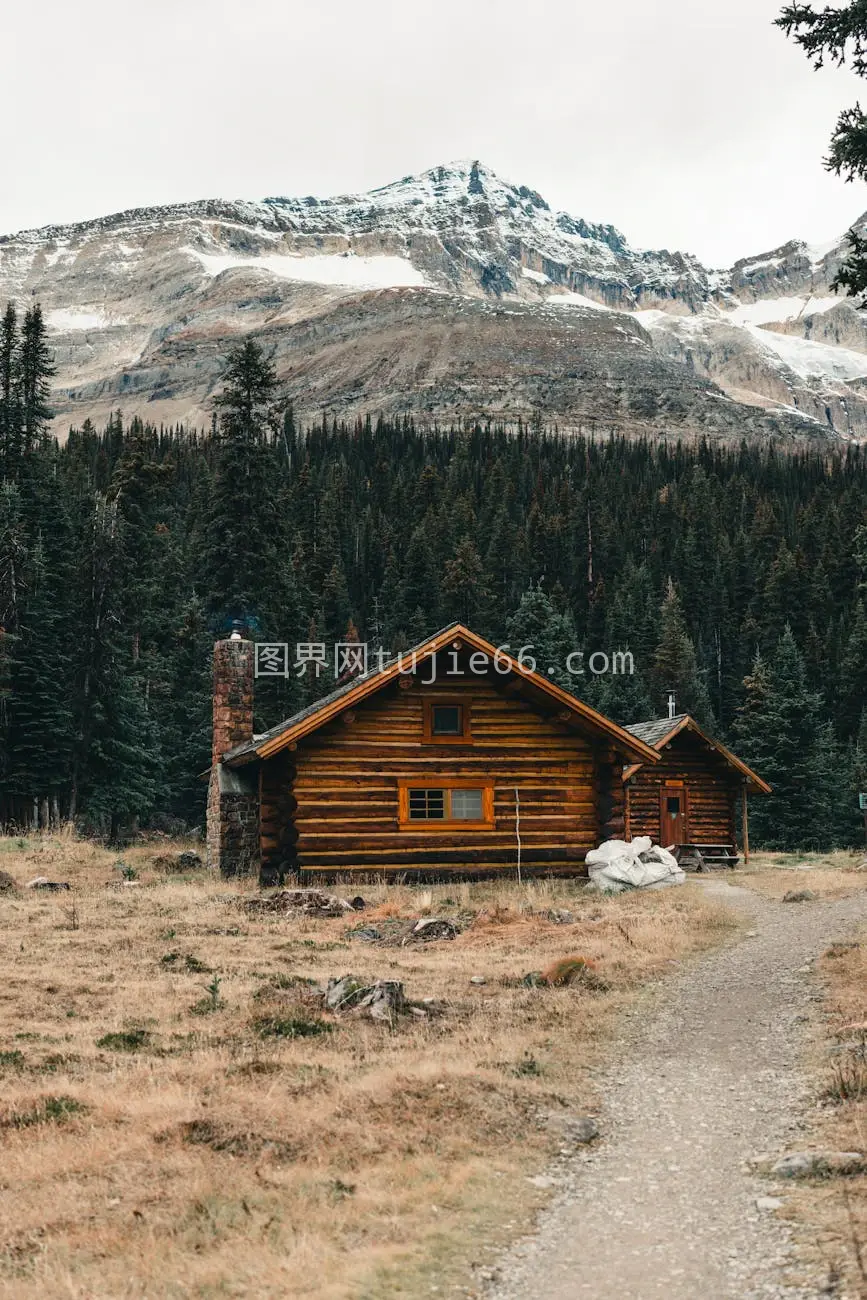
673	815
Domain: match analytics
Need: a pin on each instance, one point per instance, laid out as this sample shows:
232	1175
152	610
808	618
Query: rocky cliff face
452	294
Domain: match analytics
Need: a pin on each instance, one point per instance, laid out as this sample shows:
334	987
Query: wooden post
745	828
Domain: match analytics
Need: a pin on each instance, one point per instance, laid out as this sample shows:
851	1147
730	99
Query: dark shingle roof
656	729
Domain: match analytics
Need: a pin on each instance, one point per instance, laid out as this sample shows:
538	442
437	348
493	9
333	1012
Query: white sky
690	124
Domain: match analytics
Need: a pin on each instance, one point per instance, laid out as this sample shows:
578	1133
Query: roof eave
629	744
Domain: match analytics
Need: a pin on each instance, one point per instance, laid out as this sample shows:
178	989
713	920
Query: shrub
572	970
125	1040
46	1110
290	1027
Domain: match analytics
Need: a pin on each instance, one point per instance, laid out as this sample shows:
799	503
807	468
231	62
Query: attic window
447	722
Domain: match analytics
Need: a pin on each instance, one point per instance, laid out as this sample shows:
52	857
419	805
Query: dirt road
709	1076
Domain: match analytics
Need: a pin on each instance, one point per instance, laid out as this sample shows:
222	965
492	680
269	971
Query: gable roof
656	730
330	706
660	732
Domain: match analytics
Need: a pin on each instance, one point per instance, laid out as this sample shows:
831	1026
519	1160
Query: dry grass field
827	875
179	1117
831	1216
834	1213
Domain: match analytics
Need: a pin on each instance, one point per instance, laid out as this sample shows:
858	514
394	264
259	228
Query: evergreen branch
830	33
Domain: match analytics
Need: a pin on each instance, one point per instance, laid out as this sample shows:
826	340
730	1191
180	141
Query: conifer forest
735	575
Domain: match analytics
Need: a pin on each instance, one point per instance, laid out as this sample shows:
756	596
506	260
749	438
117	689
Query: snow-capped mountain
450	294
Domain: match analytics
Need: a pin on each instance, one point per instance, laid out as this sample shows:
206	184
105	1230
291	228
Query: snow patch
576	300
818	252
811	360
770	310
752	267
537	276
341	270
79	318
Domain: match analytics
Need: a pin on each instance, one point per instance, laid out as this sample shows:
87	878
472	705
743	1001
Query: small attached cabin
451	759
688	800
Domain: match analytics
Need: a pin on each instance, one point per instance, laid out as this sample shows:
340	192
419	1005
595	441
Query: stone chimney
233	694
233	801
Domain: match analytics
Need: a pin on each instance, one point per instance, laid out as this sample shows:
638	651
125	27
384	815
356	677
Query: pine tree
464	587
10	411
35	371
549	637
675	667
40	717
782	734
116	757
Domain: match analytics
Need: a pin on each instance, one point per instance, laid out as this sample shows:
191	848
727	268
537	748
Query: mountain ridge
144	304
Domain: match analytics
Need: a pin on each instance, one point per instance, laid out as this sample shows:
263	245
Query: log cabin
688	801
452	759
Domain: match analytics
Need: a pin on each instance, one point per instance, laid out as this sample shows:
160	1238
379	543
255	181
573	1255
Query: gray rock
42	882
768	1203
345	991
799	896
576	1129
561	916
367	934
581	1130
819	1164
478	979
384	1001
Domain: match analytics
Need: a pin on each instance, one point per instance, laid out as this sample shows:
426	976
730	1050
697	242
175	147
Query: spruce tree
550	637
675	665
781	732
34	377
10	410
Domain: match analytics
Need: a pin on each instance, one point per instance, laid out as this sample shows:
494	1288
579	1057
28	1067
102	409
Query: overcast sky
690	124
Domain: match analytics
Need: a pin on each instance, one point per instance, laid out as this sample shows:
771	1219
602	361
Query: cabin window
427	805
673	802
467	805
447	722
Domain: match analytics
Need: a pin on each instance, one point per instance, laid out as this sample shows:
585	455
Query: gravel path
708	1076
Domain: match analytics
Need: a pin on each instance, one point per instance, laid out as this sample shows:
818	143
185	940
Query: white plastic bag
617	865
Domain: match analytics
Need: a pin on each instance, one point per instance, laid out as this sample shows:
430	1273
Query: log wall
341	788
711	788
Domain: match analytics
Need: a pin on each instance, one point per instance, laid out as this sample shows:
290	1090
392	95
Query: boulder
575	1129
799	896
385	1001
345	991
42	882
819	1164
382	1000
7	884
